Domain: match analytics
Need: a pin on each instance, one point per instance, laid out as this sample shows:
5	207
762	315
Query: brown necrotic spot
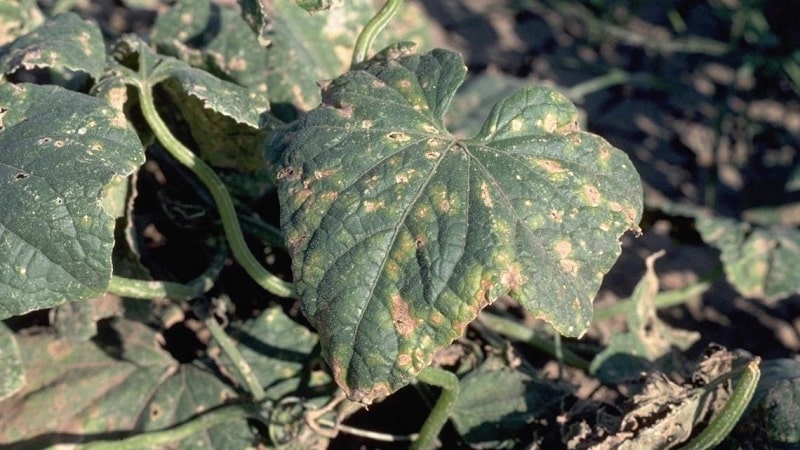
401	315
21	176
592	195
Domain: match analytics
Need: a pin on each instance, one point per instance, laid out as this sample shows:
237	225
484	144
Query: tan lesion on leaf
516	125
563	248
398	136
404	323
444	205
592	195
289	174
512	278
320	174
403	360
486	195
557	215
569	266
367	124
550	166
372	206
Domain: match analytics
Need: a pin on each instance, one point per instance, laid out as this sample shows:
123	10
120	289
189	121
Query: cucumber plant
400	231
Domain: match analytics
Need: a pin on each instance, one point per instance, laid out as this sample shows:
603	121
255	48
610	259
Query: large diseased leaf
66	41
400	233
58	149
123	382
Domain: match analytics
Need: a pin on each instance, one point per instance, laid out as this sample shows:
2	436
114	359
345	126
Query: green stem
372	28
205	173
722	424
519	332
229	347
151	290
611	78
441	410
196	424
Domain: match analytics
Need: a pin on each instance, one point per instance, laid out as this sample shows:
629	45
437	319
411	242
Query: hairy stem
441	410
372	28
229	347
222	198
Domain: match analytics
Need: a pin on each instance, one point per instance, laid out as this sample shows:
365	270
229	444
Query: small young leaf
58	150
65	41
400	233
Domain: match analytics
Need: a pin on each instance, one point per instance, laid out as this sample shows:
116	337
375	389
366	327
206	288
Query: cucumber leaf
58	151
401	233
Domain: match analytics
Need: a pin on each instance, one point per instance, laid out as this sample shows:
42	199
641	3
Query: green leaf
18	17
400	233
648	344
759	262
58	150
215	38
65	41
189	391
321	44
121	382
486	417
12	375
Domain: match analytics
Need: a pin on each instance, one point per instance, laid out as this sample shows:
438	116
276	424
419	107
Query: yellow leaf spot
516	125
549	123
366	124
485	196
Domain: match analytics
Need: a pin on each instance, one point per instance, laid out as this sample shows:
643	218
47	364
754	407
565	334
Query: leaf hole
44	140
155	411
419	242
21	176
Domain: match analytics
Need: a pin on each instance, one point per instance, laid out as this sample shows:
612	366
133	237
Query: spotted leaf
401	233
